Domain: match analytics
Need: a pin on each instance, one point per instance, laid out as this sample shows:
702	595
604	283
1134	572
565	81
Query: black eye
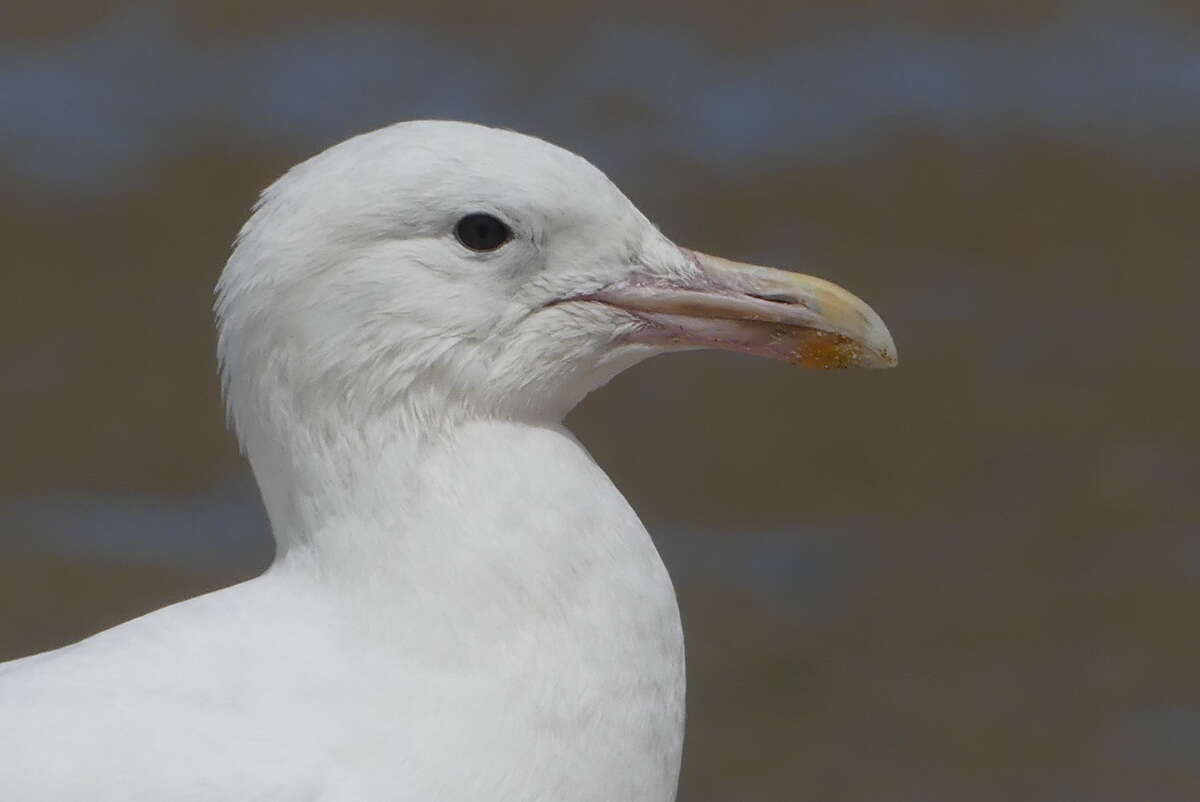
482	232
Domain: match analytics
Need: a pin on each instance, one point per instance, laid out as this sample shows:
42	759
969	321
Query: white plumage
462	607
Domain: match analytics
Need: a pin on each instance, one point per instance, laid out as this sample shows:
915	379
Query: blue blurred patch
223	527
226	527
90	114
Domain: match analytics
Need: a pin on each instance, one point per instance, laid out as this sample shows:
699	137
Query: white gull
462	607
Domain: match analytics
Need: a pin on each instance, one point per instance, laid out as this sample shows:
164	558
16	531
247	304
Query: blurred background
973	578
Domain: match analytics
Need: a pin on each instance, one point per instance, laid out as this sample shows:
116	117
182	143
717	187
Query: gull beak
778	314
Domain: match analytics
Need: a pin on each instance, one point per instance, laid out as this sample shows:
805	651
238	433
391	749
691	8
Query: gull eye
482	232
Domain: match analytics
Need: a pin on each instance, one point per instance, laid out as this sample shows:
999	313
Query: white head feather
348	291
351	315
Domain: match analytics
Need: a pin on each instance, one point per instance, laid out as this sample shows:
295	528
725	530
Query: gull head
433	269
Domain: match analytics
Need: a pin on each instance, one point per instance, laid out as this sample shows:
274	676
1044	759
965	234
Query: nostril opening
775	298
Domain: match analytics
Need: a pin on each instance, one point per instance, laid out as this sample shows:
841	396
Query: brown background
973	578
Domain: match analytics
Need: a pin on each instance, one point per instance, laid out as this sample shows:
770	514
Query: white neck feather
499	554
